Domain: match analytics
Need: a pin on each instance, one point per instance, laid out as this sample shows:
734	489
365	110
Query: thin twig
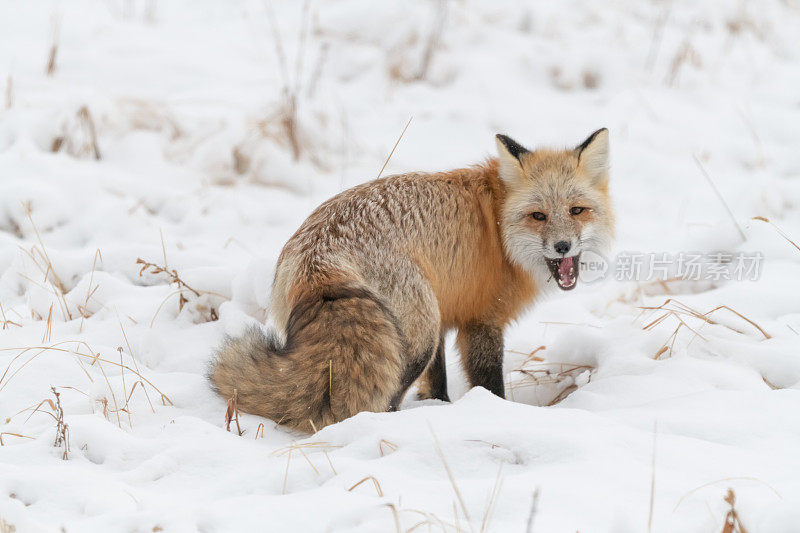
653	479
374	482
395	146
450	476
534	509
719	195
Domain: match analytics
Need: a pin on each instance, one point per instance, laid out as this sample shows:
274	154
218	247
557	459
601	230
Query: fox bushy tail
342	354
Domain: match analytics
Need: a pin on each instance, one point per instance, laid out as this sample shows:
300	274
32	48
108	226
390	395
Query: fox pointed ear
509	152
593	155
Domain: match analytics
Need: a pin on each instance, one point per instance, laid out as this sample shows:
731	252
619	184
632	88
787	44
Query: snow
196	172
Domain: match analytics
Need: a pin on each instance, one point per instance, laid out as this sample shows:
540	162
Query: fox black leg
437	375
481	347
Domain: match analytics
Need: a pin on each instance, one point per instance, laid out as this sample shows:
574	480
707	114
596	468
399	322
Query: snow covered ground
176	133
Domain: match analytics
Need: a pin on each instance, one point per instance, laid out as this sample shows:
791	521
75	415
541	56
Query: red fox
367	287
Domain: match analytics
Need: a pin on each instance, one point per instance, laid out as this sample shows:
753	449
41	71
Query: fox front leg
481	347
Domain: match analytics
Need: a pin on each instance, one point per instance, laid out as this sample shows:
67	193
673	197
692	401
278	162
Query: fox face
556	206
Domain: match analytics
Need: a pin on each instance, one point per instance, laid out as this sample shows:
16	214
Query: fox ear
510	152
593	154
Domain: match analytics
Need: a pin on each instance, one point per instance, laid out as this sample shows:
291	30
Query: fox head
556	206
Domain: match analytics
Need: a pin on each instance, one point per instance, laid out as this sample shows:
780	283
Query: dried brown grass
652	480
6	322
78	139
733	524
779	230
182	287
287	114
84	309
302	448
533	511
538	371
375	483
672	308
685	54
41	259
232	412
389	445
95	360
405	69
62	429
10	434
5	527
50	67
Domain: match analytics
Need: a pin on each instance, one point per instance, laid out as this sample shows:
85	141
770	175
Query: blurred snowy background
154	157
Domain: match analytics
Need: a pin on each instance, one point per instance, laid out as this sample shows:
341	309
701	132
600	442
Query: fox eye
576	210
537	215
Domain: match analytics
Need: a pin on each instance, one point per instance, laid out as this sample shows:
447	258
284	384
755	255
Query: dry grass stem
308	460
48	329
116	409
290	91
87	123
232	412
8	433
83	309
533	511
158	269
733	523
62	430
652	479
655	43
322	446
124	387
676	309
487	514
374	482
49	272
390	445
328	457
396	517
724	480
93	357
395	146
686	54
541	372
303	448
434	40
6	321
51	56
136	367
286	473
182	287
719	196
450	477
779	230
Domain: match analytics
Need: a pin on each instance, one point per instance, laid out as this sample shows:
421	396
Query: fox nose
561	247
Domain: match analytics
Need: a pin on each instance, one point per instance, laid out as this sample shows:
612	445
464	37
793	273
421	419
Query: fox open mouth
565	271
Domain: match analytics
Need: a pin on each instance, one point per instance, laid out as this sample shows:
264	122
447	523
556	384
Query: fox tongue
566	271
